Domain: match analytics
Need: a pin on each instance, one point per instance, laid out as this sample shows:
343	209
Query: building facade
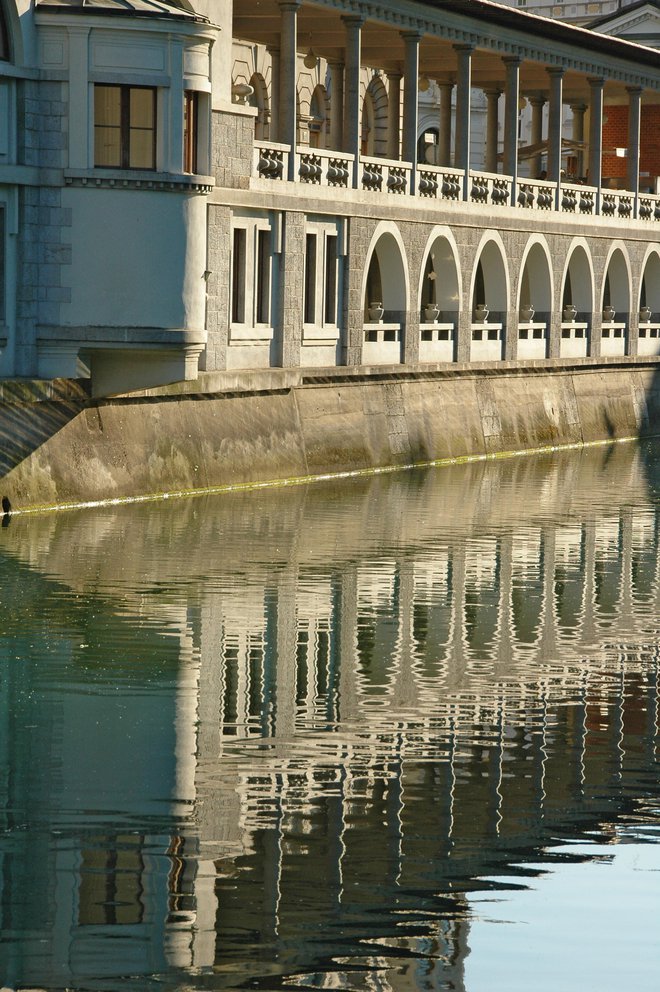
196	187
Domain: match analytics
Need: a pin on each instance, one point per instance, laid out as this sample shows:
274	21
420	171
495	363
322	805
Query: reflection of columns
492	100
410	102
286	639
288	110
393	113
353	27
596	136
579	110
274	129
512	98
336	105
537	104
554	126
589	589
634	127
444	143
463	104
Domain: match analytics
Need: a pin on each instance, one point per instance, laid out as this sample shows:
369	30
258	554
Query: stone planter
431	313
527	313
609	313
569	313
645	314
376	311
481	312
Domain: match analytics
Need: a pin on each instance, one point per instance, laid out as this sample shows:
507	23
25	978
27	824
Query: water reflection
281	737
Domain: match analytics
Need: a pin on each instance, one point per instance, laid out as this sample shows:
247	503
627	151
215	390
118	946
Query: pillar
579	110
288	109
537	104
512	98
555	127
410	101
596	86
492	102
444	143
274	129
353	26
393	114
336	105
634	130
463	108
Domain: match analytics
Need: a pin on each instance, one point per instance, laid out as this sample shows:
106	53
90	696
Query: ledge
138	179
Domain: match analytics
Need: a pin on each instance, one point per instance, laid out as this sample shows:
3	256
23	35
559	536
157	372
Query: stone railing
326	167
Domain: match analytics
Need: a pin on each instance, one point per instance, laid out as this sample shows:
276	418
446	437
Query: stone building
190	187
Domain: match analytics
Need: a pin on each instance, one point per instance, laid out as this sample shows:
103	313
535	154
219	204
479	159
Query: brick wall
615	135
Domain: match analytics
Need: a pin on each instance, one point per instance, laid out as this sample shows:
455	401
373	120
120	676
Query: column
353	26
288	109
274	129
79	99
555	128
492	102
393	114
634	131
512	98
579	110
537	104
596	136
336	105
464	82
444	144
410	102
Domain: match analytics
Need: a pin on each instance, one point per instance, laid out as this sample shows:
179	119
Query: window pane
238	277
142	108
263	278
330	315
107	105
310	280
141	144
2	265
107	147
190	131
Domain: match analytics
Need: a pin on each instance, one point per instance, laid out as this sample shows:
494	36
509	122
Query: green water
382	733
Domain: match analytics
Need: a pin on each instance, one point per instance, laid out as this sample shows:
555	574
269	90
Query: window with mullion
124	127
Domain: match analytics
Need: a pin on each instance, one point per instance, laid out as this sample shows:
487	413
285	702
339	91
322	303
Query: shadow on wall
28	424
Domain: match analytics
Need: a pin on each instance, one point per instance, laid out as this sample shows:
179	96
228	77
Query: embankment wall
60	447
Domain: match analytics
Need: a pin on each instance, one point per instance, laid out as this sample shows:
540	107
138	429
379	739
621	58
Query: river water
397	732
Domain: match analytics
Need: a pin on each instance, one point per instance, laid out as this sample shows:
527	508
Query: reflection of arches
259	99
385	279
578	280
616	284
535	287
440	278
650	283
319	117
490	279
374	119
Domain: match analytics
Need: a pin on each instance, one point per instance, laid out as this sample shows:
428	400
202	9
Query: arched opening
577	305
259	99
534	304
489	304
649	307
384	303
615	305
428	146
318	118
439	299
374	119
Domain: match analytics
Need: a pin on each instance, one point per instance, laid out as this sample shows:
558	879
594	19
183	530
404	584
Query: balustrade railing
326	167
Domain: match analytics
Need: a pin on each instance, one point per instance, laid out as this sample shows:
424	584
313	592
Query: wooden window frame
125	128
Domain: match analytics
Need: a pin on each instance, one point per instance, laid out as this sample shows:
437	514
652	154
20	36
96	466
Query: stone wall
238	429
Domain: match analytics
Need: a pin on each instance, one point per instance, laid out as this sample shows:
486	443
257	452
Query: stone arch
649	286
577	284
260	100
490	283
374	119
319	117
617	281
385	276
535	286
440	275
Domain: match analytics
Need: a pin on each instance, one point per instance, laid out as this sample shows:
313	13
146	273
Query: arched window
4	37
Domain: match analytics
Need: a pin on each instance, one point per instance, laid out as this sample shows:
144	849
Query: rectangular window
190	127
2	265
124	127
263	277
238	277
330	309
310	280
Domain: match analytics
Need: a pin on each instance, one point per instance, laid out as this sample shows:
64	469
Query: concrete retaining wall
60	447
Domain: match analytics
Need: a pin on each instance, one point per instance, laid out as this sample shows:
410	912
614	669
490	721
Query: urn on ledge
376	311
481	312
570	312
527	313
609	313
431	313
